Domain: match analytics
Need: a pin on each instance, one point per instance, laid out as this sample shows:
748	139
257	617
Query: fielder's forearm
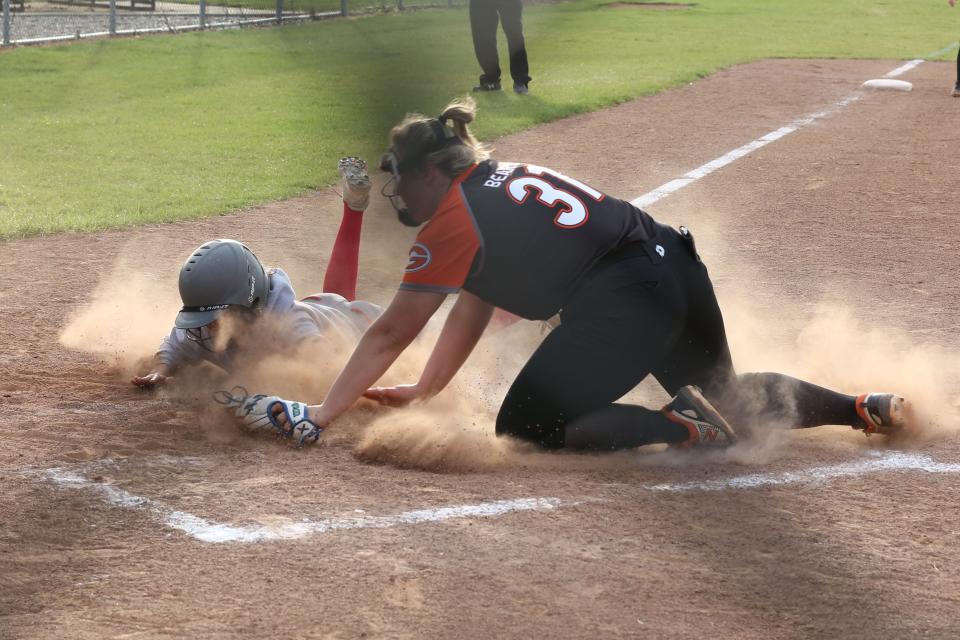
461	332
378	349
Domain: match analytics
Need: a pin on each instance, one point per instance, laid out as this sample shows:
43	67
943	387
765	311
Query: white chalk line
218	532
936	54
730	157
210	531
816	475
902	69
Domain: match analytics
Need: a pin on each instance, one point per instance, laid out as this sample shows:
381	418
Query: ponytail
445	142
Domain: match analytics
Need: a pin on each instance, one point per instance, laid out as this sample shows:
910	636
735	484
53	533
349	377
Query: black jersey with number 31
520	237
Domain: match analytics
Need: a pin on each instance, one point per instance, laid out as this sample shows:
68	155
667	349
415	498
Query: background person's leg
483	26
956	87
511	17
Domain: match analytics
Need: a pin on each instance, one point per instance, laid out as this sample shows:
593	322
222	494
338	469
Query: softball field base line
217	532
732	156
818	475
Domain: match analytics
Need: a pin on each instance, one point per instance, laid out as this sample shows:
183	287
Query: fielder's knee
545	433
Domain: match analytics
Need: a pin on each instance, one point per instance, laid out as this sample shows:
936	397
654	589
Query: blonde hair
412	139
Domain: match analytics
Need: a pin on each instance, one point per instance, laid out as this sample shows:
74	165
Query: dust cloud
834	348
455	430
128	315
130	312
831	348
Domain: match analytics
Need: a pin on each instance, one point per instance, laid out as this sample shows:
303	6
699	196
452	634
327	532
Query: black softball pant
639	313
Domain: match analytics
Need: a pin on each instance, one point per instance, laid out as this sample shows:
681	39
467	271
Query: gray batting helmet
220	274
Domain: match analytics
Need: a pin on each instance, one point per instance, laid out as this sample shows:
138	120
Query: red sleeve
441	258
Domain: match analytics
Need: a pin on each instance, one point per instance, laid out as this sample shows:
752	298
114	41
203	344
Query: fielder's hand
398	396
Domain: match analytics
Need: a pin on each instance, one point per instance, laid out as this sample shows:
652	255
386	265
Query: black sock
776	398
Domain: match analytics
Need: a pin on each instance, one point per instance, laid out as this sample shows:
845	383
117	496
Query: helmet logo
419	258
253	284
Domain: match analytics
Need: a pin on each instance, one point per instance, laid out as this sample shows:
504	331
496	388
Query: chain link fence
40	21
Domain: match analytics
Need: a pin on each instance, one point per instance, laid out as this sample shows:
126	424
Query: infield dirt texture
834	253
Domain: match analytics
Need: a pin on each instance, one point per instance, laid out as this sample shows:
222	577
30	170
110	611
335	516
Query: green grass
129	131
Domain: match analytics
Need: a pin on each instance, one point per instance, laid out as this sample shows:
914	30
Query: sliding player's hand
398	396
151	380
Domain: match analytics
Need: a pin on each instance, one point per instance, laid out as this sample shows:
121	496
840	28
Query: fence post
203	14
343	8
279	11
6	23
113	17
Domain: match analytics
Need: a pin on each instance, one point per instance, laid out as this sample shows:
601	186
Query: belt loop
688	240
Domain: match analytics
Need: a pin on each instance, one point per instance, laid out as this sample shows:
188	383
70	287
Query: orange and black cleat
706	426
884	413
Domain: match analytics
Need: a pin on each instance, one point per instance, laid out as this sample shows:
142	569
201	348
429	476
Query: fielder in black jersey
504	226
633	297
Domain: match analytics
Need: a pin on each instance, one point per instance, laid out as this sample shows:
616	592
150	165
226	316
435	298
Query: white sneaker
356	182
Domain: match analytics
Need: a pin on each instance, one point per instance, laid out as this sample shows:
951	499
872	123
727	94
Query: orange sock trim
868	424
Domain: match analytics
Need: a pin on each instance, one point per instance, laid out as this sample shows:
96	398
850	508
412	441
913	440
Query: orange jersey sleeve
441	258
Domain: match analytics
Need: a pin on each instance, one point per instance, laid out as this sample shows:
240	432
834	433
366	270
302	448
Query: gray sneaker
520	88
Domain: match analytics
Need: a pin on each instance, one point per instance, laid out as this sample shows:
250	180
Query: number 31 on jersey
570	210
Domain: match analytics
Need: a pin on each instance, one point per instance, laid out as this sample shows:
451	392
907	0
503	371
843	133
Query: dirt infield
834	252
